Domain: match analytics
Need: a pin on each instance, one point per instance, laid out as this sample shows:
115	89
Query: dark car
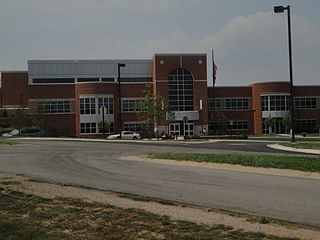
32	132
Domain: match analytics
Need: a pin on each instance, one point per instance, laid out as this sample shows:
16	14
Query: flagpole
214	94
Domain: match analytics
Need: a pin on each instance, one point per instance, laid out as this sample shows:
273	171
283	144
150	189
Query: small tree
20	120
270	122
154	110
40	119
3	113
104	126
286	121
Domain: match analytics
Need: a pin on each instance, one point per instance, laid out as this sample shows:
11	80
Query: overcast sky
249	40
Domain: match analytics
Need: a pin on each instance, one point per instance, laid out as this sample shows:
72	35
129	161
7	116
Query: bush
195	137
240	136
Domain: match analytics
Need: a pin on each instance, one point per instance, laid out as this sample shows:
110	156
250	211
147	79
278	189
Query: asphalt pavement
99	165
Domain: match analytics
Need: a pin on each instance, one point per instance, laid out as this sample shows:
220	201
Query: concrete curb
228	167
299	150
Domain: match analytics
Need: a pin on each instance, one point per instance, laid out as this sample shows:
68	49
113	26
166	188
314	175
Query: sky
250	41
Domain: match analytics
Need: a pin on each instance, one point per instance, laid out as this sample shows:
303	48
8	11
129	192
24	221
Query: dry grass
24	216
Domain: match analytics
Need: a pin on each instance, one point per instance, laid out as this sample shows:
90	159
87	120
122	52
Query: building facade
72	94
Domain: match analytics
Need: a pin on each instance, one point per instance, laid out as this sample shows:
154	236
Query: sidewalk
299	150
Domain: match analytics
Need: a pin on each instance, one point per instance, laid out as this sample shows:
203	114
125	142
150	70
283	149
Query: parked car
32	132
125	135
26	132
13	133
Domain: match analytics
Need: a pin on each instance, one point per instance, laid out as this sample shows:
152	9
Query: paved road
98	165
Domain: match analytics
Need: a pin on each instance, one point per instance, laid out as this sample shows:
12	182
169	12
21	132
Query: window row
237	104
92	128
231	125
93	105
54	106
237	125
305	103
306	122
131	105
135	127
89	79
275	103
229	104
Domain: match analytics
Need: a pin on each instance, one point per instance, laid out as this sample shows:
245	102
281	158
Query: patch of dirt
193	214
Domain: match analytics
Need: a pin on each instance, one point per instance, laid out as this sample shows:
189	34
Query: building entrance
277	128
182	129
175	129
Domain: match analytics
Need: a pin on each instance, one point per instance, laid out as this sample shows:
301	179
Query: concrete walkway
299	150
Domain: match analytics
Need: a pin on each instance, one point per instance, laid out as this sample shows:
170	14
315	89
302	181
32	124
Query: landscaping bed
309	164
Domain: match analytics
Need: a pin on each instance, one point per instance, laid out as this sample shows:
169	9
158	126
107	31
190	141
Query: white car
13	133
126	135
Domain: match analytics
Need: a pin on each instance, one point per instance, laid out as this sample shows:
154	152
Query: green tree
104	126
3	113
286	121
21	120
154	110
270	122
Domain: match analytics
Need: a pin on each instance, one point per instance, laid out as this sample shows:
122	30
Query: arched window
180	90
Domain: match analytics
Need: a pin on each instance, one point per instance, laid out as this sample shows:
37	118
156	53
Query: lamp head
121	64
279	9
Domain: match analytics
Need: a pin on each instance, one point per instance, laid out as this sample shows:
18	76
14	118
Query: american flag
214	70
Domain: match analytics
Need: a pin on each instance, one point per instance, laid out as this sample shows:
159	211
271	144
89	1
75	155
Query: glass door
175	128
188	129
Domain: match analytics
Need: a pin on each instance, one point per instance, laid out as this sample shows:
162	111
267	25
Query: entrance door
175	128
188	129
279	127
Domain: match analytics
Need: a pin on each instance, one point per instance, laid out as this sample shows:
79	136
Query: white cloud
248	49
253	49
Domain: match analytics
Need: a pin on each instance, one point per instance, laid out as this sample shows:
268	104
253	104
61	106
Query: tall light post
120	65
280	9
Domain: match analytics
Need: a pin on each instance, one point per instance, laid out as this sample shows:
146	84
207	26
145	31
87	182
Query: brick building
73	91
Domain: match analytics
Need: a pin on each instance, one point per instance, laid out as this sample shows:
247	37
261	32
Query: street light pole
280	9
120	65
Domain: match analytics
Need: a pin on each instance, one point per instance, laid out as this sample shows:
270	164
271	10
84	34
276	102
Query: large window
275	103
213	104
53	80
110	130
237	125
135	127
181	90
237	104
87	106
131	105
51	106
108	103
90	127
306	122
136	79
305	102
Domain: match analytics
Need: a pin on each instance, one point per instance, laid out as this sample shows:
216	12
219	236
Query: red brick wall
51	91
257	90
224	92
63	124
198	71
307	90
14	88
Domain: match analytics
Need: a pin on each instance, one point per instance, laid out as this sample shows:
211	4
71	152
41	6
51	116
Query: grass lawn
287	139
310	164
29	217
303	145
7	143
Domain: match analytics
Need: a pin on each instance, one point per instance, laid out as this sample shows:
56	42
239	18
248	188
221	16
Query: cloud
253	48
